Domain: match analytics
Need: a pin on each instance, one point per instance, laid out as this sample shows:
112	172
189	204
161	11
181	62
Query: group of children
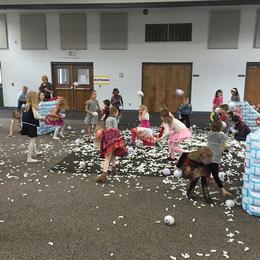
104	124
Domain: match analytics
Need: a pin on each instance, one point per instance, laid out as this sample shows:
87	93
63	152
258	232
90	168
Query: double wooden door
74	82
252	87
160	81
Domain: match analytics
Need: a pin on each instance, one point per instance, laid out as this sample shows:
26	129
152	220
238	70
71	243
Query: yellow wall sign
101	80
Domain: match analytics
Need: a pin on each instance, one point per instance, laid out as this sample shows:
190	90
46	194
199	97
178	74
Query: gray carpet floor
59	215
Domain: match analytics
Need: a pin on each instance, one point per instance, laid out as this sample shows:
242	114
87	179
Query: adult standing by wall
235	95
46	87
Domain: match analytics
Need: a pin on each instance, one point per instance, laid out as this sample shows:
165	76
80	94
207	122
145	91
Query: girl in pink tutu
56	118
111	144
176	132
143	132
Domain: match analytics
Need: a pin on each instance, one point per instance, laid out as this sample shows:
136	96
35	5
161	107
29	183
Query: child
218	99
117	101
258	108
56	118
15	121
41	97
143	132
176	132
22	97
105	111
185	111
241	129
216	142
194	165
235	95
30	121
111	121
112	144
92	108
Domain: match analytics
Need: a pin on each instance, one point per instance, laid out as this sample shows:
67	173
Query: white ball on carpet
75	84
77	141
221	175
169	220
177	173
95	113
179	92
233	131
166	171
232	105
82	164
130	149
83	131
230	203
140	93
69	127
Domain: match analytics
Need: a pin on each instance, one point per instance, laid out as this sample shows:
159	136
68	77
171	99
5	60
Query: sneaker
62	135
31	160
56	138
102	178
38	153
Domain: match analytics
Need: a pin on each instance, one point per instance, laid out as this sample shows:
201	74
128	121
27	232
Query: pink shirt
218	101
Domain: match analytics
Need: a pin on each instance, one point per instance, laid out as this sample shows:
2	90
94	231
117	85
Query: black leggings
186	120
214	169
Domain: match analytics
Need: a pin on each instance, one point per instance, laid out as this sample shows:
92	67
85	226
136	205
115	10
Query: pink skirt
145	123
178	137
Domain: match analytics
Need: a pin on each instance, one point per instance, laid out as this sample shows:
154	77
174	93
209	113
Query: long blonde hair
32	100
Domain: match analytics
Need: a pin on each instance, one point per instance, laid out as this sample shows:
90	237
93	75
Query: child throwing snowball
30	122
92	108
56	118
111	144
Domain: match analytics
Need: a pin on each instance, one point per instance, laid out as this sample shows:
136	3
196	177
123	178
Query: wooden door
83	75
252	87
73	81
160	82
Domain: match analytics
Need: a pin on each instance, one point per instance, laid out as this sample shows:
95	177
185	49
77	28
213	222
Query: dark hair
115	91
107	102
225	107
235	91
166	115
92	91
218	91
230	113
235	118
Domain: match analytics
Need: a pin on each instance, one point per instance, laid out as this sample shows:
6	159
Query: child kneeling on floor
111	144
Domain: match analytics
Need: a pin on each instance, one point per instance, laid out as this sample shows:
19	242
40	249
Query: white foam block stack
44	109
250	115
251	178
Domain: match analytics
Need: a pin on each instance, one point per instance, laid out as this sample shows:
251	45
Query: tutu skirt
50	120
178	137
112	142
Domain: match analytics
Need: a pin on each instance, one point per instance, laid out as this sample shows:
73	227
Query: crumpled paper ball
177	173
169	220
179	92
82	164
95	113
69	127
232	105
217	110
140	93
77	141
83	131
230	203
130	150
166	171
221	176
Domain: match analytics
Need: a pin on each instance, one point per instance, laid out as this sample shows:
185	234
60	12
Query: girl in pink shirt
218	99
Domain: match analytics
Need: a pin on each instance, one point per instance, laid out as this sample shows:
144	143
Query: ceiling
78	4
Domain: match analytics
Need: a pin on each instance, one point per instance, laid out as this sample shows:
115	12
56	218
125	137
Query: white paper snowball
140	93
224	125
75	84
166	171
221	175
169	220
82	164
217	110
230	203
69	127
177	173
121	107
194	126
95	113
233	131
77	141
179	92
232	105
83	131
63	115
130	149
